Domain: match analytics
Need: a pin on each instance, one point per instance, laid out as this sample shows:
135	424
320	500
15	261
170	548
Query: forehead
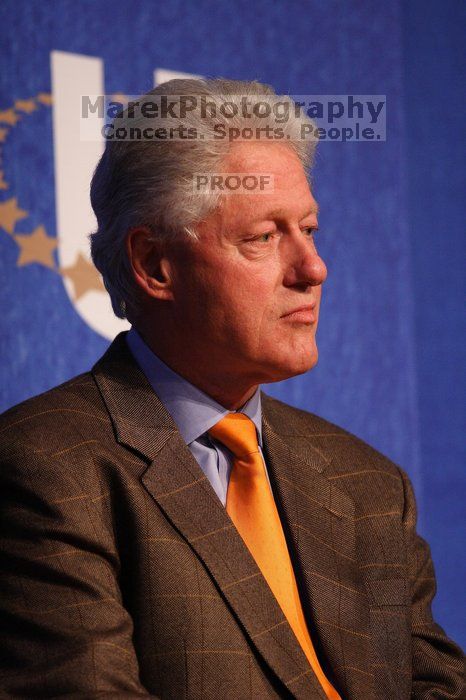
290	196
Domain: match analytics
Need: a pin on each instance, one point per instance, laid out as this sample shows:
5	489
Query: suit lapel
319	521
178	485
183	492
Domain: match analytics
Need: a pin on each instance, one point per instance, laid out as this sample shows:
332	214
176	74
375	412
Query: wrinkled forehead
287	195
251	155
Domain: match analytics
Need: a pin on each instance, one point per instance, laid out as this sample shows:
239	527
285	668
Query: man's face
247	293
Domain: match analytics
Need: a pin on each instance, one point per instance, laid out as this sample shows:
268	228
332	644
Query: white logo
74	75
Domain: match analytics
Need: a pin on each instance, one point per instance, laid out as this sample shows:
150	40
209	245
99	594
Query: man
170	531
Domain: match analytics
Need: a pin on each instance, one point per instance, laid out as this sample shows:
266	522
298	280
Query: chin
308	363
292	367
304	357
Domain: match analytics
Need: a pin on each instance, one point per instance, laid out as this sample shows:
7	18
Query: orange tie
251	506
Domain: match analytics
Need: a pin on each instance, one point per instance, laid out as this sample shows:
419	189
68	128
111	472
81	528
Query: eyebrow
277	213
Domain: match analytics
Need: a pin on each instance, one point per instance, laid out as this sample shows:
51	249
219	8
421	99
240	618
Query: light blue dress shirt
194	413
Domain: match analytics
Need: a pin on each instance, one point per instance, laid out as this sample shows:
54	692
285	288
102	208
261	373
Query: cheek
255	301
243	313
241	287
230	299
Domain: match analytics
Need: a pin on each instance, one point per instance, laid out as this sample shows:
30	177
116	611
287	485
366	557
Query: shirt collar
193	411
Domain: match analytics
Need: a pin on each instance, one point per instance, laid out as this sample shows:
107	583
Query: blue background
391	365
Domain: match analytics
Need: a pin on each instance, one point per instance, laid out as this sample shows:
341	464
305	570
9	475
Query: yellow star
9	116
3	183
10	213
27	106
84	276
3	135
119	97
36	247
45	98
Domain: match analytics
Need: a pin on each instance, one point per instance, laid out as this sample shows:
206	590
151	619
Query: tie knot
237	432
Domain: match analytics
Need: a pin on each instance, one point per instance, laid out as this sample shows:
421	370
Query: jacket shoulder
48	419
339	447
297	419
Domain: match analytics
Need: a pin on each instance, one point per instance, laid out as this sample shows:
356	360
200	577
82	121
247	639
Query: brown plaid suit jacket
122	575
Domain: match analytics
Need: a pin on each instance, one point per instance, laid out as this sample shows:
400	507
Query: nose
304	266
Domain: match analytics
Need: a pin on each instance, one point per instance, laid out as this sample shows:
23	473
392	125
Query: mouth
302	314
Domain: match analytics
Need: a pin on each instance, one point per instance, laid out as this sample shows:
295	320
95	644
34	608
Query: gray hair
147	182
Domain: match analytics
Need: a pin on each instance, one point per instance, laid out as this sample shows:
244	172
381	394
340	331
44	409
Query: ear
151	269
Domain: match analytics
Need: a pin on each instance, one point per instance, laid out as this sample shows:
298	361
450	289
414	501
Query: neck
228	397
227	389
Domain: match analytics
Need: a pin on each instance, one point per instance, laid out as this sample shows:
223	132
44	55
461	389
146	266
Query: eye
264	238
310	231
